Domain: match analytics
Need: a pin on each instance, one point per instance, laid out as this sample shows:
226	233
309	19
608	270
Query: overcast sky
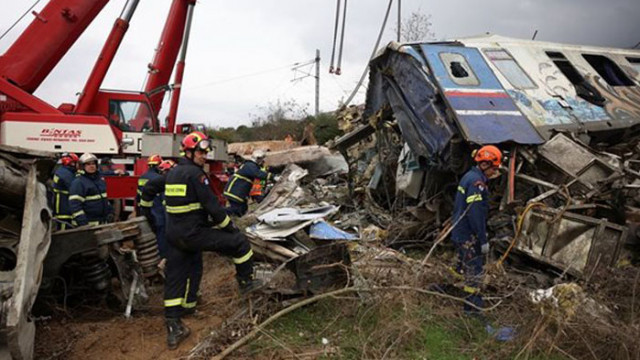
233	40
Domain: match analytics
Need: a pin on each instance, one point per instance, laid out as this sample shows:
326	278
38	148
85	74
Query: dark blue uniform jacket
472	192
88	200
240	183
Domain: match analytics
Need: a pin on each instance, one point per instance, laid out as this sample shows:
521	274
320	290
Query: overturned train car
566	115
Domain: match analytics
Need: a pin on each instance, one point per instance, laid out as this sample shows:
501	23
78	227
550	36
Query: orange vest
256	189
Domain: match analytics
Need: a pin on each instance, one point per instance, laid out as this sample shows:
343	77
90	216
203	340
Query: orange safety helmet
68	159
488	153
166	165
196	141
154	159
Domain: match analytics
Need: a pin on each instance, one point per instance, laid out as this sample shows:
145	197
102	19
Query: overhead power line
243	76
19	19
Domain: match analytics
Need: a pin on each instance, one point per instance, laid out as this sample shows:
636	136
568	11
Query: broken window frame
509	58
598	62
583	88
447	59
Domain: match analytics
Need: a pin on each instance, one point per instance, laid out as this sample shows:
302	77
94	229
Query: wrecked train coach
567	116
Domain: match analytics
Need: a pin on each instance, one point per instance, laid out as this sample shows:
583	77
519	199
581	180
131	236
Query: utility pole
399	18
317	60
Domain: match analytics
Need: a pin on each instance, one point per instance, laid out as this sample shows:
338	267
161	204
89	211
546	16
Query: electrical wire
344	24
335	36
373	53
19	19
244	76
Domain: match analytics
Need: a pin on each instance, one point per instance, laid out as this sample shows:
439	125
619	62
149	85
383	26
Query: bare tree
416	27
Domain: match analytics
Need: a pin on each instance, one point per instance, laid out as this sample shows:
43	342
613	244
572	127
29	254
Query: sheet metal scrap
575	243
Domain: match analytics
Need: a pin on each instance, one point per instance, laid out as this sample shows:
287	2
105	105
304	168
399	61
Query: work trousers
236	208
183	256
470	265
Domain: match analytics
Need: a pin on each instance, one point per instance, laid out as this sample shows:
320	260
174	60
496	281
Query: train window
510	69
583	88
459	70
608	70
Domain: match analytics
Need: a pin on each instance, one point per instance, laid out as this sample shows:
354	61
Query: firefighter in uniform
239	186
62	179
196	223
151	204
154	190
470	212
88	194
153	162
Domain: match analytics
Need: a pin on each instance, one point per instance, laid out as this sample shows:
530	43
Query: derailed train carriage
566	115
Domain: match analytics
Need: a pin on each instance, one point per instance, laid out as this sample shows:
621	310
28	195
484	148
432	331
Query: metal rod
317	82
399	19
129	9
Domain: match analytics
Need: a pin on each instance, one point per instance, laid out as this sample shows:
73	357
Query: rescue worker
152	172
151	203
152	191
190	205
106	168
240	184
258	188
62	179
470	212
88	194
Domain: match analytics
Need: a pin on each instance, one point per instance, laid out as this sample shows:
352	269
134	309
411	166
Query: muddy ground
98	333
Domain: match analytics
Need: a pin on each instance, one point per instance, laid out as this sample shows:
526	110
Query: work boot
176	332
249	285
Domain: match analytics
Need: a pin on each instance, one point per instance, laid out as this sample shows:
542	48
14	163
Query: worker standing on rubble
88	194
62	179
154	191
190	205
470	212
239	186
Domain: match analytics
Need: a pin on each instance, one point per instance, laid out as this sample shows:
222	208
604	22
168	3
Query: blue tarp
321	230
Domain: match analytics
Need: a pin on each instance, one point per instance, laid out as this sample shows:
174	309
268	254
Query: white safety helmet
258	155
87	157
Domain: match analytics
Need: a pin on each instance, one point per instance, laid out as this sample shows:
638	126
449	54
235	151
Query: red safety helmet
154	159
166	165
69	159
488	153
196	141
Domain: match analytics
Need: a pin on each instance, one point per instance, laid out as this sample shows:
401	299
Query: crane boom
166	54
46	40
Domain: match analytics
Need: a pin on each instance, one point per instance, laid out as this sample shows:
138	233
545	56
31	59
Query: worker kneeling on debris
190	203
88	194
239	187
470	211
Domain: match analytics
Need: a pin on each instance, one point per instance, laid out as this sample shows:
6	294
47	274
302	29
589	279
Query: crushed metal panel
399	80
35	239
484	111
566	154
575	243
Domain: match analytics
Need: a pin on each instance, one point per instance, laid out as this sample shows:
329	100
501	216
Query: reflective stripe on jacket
88	199
240	183
62	179
472	193
190	201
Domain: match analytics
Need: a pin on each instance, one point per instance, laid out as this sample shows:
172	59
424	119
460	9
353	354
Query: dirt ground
98	333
